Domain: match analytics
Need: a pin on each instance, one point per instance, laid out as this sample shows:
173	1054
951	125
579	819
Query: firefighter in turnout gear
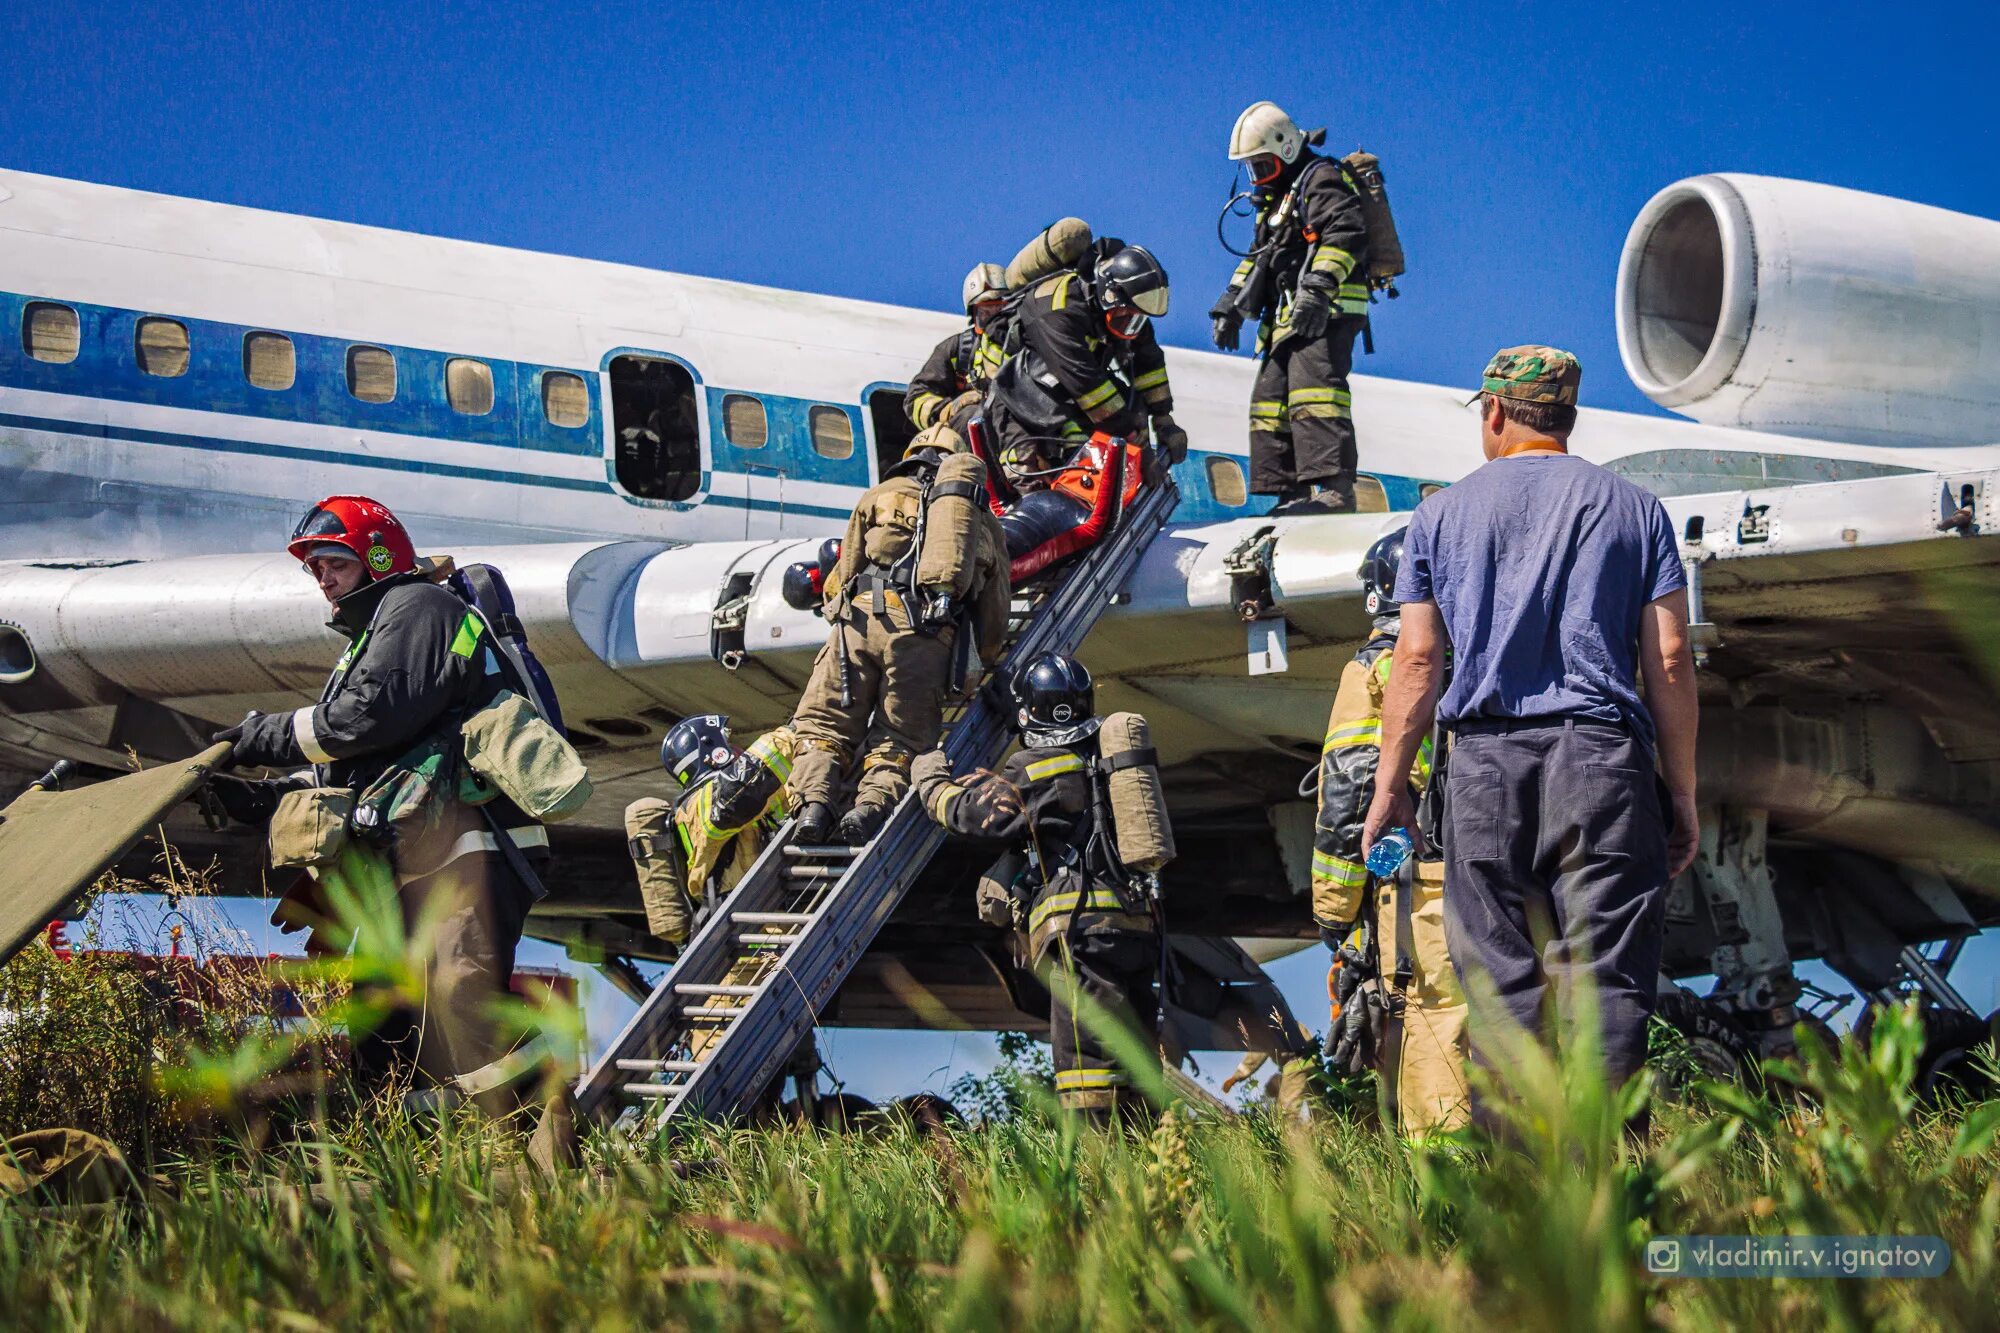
920	591
1088	361
952	383
418	661
1306	281
694	848
1391	968
1082	920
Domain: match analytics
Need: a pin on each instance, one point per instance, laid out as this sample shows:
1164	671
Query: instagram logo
1663	1256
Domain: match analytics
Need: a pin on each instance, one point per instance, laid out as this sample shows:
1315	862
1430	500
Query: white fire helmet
986	282
1264	128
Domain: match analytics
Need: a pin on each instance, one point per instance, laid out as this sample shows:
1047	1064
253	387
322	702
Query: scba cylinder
1145	835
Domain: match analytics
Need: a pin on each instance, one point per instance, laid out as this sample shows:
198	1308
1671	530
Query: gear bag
1385	247
1144	833
310	827
655	847
513	748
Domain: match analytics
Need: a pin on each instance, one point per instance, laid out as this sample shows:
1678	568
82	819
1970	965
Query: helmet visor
1153	302
1264	168
319	522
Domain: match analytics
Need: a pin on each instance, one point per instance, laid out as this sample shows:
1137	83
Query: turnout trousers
1116	972
475	908
1302	413
1421	1066
896	681
1555	882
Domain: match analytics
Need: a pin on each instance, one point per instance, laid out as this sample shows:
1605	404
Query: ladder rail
851	901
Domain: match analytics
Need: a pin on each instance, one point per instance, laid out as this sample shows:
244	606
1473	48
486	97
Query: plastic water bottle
1386	857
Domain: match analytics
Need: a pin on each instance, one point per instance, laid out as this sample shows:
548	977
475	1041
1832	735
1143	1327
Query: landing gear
1953	1029
1754	982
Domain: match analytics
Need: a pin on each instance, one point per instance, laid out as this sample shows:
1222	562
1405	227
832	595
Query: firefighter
1398	1004
954	378
900	609
418	661
1088	362
696	847
1308	278
1079	919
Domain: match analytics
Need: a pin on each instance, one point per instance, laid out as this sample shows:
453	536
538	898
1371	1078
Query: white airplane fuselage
104	456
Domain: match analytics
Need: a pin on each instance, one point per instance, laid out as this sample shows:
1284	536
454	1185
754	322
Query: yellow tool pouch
310	827
656	855
509	745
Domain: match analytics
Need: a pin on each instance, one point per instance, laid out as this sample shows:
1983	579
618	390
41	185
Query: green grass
1030	1222
287	1206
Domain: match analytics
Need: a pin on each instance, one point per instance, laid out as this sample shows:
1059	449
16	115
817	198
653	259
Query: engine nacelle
1812	310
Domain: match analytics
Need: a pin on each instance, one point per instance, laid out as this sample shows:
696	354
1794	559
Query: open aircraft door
54	844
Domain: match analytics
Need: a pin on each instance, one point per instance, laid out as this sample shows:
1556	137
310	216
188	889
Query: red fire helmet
361	525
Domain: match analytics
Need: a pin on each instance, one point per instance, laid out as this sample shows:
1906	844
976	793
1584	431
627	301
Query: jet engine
1812	310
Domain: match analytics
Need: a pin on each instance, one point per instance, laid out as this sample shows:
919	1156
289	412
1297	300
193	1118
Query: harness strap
1148	757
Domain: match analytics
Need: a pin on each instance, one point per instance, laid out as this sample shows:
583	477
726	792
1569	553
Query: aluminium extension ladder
751	983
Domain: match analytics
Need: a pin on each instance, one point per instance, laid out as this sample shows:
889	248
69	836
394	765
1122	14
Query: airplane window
832	432
1428	489
468	386
1225	481
657	427
269	361
743	422
893	428
1369	497
565	400
49	332
162	347
371	374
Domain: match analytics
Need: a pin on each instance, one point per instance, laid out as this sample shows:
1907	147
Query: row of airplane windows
52	332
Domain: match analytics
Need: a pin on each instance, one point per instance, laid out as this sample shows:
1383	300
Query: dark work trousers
1555	877
1117	973
1302	413
475	908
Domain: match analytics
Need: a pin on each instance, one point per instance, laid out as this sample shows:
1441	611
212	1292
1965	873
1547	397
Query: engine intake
1807	309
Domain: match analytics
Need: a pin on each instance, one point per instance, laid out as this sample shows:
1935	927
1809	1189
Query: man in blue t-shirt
1569	800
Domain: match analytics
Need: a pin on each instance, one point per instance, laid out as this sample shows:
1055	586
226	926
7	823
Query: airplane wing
1849	690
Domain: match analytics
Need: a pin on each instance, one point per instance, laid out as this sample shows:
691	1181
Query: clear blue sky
878	151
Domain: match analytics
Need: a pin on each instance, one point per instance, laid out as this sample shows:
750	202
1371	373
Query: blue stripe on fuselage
263	449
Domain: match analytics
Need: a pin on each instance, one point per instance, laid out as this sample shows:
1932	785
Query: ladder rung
767	939
710	988
770	918
814	872
714	1011
822	850
659	1066
651	1089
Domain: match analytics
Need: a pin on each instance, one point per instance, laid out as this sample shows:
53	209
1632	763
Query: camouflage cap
1532	374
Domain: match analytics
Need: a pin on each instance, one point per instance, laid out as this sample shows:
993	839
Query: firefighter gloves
1226	322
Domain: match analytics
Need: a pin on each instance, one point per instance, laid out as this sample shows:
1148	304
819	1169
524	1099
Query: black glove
1226	322
263	740
1312	310
242	800
1354	986
1173	441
